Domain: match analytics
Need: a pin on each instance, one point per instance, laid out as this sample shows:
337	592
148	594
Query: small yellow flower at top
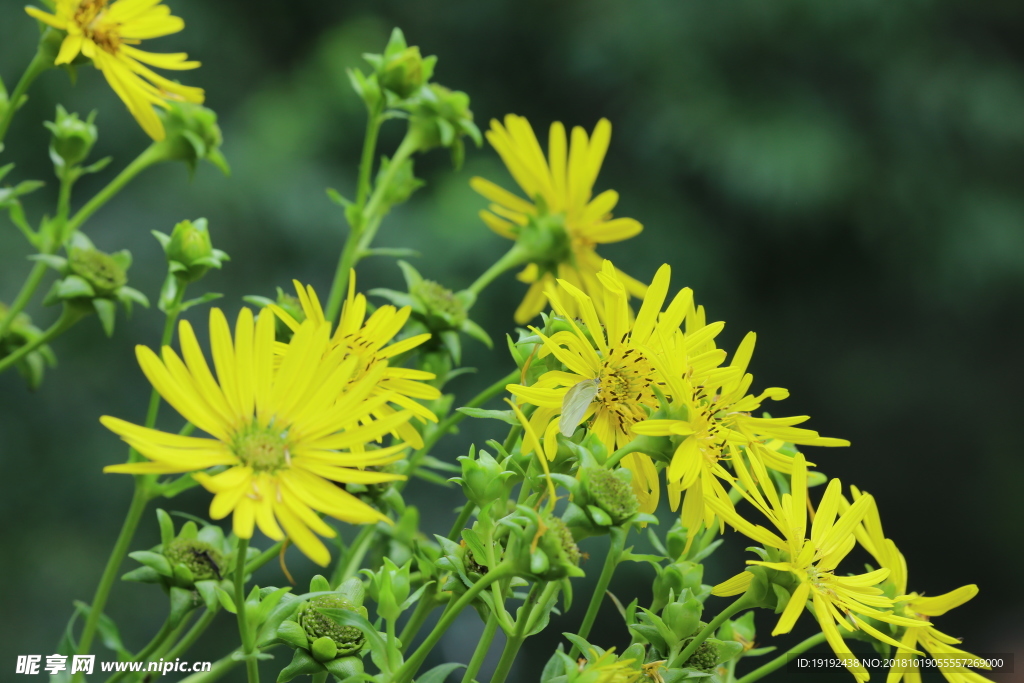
106	32
284	434
559	187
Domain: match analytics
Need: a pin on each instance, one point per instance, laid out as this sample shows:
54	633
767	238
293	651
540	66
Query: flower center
264	449
90	17
625	386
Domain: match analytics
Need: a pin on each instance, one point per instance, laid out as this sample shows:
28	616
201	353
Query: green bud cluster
22	332
483	478
192	135
611	494
72	138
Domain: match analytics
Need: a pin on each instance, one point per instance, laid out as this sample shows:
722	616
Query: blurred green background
844	178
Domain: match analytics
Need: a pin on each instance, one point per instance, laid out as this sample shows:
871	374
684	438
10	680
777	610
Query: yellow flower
719	427
812	558
106	32
604	667
561	185
283	435
367	340
605	345
916	606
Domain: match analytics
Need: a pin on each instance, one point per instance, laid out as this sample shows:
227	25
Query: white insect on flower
575	404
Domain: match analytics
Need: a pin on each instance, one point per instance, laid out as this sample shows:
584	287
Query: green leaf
506	416
155	560
226	601
106	310
440	673
166	527
302	664
74	286
109	635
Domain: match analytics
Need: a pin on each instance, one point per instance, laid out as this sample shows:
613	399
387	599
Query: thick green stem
40	63
373	123
153	154
252	668
745	601
516	256
414	662
264	557
419	615
781	660
354	557
67	318
369	215
193	634
35	277
99	600
482	648
618	543
620	454
460	521
517	637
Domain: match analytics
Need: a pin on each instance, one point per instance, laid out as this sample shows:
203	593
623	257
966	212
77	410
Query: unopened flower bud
191	252
346	639
192	135
483	479
683	615
401	69
201	559
72	138
610	494
102	271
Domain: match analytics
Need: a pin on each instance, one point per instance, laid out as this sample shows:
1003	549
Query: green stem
455	418
166	630
460	522
40	63
248	638
618	543
68	317
320	677
781	660
373	123
193	634
219	668
264	557
354	557
620	454
419	615
745	601
99	600
482	648
517	637
153	154
361	234
516	256
414	662
35	277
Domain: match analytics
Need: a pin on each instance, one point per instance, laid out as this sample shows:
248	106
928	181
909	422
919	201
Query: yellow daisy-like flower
560	185
368	341
916	606
837	601
283	434
719	427
106	32
606	346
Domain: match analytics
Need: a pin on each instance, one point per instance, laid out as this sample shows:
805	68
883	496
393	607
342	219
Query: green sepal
302	664
142	575
155	560
226	601
166	527
182	603
207	590
74	286
291	633
347	668
324	649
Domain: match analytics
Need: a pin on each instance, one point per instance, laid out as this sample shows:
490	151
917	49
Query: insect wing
575	404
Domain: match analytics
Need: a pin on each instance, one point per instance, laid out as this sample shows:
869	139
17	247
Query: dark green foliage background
845	178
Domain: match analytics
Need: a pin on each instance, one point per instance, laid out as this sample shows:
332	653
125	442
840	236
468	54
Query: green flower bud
674	579
401	69
72	139
483	479
192	135
610	493
683	616
440	117
202	559
347	640
390	588
21	332
190	251
440	303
